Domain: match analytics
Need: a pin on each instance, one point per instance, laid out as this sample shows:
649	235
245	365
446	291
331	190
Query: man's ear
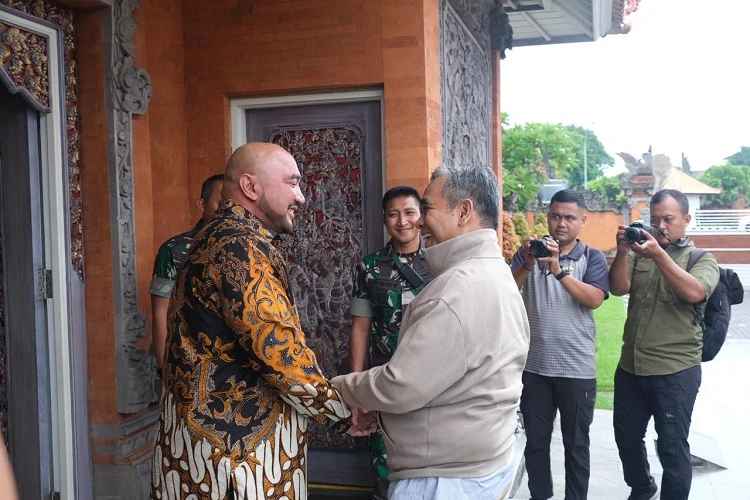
465	210
201	205
583	220
688	218
250	186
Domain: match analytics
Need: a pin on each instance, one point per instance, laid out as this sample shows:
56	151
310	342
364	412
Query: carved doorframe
37	68
128	91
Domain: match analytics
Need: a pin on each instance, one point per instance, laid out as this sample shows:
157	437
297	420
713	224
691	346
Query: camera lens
538	248
634	235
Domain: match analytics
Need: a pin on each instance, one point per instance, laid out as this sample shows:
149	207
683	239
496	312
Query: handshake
364	422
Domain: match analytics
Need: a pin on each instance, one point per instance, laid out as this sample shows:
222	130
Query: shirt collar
681	243
234	209
387	253
577	251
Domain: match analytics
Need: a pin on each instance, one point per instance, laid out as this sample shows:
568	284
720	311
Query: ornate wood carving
128	93
465	67
23	64
326	244
475	15
35	88
501	32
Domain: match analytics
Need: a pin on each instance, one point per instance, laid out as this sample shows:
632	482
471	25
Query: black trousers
669	399
541	398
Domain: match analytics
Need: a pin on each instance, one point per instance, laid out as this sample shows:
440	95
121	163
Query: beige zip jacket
448	397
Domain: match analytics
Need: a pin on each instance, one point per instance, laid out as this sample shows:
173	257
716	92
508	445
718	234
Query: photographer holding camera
660	366
562	281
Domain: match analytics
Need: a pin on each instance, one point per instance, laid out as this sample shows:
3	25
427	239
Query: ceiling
540	22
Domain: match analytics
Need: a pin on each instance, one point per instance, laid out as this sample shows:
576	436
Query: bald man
239	380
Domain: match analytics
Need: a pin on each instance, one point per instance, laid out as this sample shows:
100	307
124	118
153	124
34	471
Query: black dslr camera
538	248
634	233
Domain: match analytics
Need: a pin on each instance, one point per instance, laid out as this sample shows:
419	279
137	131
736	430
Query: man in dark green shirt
169	260
660	366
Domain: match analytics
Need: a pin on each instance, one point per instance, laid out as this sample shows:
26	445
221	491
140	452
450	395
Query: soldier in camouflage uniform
169	260
385	283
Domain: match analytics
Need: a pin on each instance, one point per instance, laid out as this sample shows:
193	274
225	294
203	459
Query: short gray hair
476	183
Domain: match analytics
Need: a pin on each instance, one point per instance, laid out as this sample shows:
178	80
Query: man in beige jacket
448	397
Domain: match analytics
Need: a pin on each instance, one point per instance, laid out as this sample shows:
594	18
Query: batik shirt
169	260
239	379
381	292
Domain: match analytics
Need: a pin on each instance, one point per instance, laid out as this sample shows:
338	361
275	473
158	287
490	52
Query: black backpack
714	318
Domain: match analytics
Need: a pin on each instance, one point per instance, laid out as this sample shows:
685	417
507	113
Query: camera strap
408	273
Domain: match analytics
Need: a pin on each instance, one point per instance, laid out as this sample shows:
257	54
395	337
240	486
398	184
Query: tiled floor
739	326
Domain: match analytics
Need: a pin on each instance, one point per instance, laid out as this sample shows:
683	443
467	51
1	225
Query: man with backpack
660	366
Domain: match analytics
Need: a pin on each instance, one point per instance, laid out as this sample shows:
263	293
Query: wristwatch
563	273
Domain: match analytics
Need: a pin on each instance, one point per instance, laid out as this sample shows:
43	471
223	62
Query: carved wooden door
338	150
24	369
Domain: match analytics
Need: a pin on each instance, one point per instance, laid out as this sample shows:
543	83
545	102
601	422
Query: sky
679	81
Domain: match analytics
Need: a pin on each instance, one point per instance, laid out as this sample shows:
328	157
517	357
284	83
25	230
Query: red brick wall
159	139
200	55
298	46
159	174
600	229
714	242
96	219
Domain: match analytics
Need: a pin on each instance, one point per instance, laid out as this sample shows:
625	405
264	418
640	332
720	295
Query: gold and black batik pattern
239	379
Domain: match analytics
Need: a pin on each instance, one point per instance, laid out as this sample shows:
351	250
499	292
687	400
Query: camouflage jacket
169	260
382	292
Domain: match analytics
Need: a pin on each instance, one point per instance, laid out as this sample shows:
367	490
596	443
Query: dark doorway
24	377
339	152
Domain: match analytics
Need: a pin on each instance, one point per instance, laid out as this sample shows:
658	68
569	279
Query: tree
732	179
610	188
597	157
535	152
510	239
741	157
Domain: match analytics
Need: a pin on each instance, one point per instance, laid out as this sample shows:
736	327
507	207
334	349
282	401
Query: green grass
610	319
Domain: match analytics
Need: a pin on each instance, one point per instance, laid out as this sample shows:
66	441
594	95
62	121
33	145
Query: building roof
621	10
540	22
687	184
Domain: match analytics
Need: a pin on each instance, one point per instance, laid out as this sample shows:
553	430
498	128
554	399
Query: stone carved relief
23	64
596	202
325	247
62	18
465	68
476	16
129	90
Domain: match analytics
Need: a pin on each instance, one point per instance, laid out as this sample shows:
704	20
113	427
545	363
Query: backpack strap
695	255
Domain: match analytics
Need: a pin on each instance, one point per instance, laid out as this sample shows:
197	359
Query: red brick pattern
715	241
96	220
242	49
199	56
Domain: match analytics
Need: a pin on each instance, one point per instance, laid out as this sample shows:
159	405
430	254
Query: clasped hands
364	422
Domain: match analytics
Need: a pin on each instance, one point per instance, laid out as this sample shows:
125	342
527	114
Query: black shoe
651	494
